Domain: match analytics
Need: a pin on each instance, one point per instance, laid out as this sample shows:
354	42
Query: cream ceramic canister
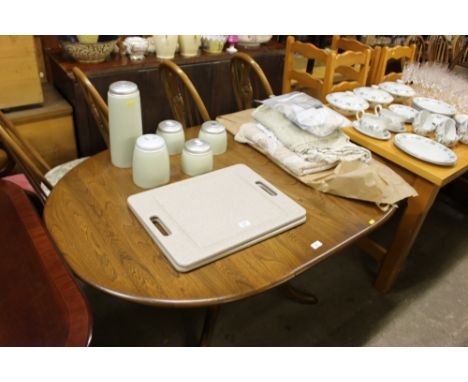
214	133
197	157
189	45
151	167
165	46
125	123
173	133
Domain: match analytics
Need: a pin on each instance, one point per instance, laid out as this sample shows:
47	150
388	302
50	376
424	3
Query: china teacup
446	133
372	123
396	122
462	131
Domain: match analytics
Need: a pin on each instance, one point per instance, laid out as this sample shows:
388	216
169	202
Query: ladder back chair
96	104
185	102
343	44
420	54
403	53
26	156
439	49
248	81
37	171
332	61
459	51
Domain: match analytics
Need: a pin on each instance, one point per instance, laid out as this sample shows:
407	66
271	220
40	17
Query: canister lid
197	146
213	127
170	126
150	142
123	88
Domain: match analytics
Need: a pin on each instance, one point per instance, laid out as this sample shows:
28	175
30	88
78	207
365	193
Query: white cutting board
212	215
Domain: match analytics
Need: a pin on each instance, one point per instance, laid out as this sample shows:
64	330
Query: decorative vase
213	43
189	45
165	46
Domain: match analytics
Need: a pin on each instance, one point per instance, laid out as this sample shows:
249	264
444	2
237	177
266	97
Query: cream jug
125	124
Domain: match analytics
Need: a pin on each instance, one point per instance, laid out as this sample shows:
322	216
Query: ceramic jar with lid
215	134
173	133
125	126
151	167
197	157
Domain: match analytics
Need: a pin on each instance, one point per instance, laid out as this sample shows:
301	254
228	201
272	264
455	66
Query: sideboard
210	74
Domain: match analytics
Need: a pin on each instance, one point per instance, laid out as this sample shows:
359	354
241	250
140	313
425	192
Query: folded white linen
334	148
264	140
308	113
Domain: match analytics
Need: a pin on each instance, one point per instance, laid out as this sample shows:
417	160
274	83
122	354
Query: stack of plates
201	219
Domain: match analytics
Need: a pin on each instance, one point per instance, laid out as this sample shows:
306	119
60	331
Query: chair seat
58	172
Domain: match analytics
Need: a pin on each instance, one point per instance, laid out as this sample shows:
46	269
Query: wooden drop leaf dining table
104	244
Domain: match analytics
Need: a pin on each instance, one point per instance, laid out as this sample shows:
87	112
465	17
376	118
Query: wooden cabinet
209	73
19	73
48	127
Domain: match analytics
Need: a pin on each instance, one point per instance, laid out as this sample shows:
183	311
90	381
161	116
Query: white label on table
244	223
316	244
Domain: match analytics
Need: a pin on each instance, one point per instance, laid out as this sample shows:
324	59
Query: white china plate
370	133
347	101
374	95
397	89
425	149
407	112
434	106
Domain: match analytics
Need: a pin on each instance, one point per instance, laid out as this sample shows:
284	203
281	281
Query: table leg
406	232
208	325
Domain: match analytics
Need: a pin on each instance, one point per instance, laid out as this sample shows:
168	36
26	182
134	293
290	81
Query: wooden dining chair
38	172
248	81
40	301
357	61
439	49
403	53
459	51
185	102
342	44
96	104
420	54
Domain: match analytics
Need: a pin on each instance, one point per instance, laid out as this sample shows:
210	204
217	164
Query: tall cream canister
151	167
125	124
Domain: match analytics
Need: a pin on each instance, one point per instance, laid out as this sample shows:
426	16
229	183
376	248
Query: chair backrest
421	51
246	88
41	304
26	156
184	100
459	51
332	61
96	104
343	44
403	53
439	49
